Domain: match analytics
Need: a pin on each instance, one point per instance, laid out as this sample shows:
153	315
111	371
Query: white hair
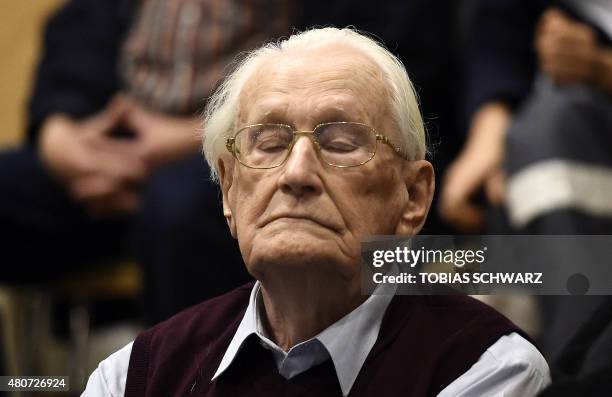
222	109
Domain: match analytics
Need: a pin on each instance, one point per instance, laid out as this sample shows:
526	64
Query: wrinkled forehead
335	77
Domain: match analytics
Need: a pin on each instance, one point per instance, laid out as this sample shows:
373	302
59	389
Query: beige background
21	25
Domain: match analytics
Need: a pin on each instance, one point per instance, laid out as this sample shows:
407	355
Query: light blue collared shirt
361	326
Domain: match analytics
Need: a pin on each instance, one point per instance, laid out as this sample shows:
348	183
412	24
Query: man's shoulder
444	336
452	308
453	318
165	354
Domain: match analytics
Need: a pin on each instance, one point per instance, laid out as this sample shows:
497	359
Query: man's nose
301	172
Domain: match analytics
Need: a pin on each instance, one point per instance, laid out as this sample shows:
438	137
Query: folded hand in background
104	159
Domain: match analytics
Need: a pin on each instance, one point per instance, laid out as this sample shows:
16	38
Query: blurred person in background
112	167
539	101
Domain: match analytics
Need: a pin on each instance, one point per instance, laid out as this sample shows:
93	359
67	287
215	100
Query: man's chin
296	250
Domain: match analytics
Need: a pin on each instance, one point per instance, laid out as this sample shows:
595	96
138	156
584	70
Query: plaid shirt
177	51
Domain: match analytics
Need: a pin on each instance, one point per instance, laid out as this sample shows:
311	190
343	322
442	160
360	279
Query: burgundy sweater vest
425	342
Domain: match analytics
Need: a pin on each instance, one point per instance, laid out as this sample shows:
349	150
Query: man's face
306	214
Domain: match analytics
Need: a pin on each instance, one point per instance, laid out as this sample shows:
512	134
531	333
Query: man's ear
225	165
420	183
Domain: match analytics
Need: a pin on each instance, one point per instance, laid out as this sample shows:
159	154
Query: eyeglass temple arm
386	141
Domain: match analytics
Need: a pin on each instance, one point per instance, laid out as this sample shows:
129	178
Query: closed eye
271	139
339	146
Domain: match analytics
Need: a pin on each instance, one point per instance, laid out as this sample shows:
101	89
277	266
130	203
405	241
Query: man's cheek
373	215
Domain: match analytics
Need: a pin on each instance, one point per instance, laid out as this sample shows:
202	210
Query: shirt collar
348	341
247	326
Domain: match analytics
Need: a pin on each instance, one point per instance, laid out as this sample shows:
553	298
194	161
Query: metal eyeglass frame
230	143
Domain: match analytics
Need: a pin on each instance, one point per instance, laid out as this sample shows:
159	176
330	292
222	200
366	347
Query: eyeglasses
340	144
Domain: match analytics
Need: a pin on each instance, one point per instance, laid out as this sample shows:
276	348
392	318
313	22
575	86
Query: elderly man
318	142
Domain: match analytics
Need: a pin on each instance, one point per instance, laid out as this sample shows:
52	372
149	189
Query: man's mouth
305	218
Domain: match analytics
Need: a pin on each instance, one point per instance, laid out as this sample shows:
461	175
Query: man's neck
296	311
